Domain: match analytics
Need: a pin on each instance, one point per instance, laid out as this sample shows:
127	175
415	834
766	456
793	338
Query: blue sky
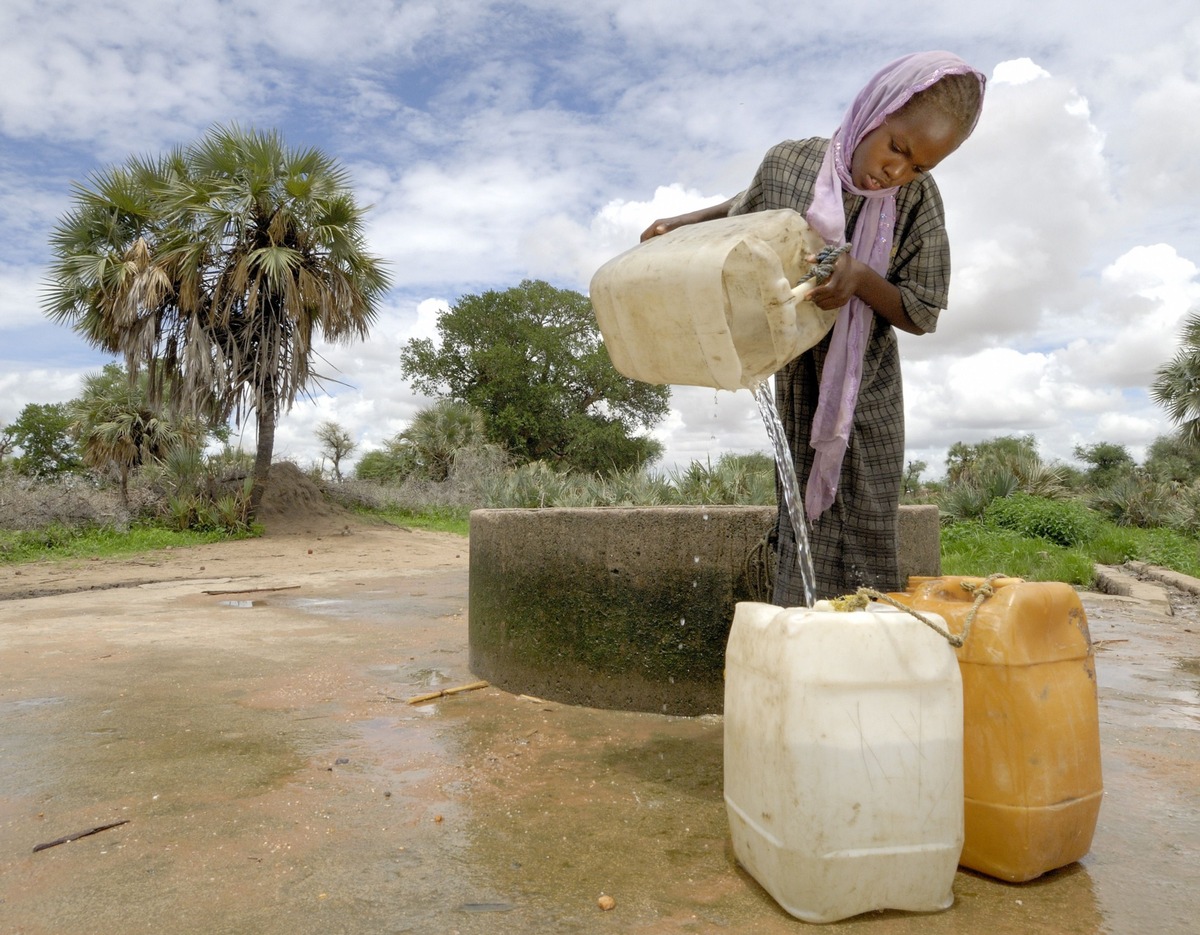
505	141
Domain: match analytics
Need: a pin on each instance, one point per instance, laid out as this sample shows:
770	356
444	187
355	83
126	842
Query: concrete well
627	608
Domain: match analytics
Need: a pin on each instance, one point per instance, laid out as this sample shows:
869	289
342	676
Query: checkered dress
854	543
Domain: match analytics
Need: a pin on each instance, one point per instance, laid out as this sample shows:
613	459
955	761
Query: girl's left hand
839	288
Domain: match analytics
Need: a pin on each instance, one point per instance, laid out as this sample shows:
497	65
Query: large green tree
1177	384
215	267
531	360
1109	462
42	431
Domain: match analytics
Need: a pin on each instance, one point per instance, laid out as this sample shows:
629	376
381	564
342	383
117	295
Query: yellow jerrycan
1031	727
720	303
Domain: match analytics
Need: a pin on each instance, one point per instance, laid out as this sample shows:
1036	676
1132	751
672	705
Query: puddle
1189	664
402	609
25	704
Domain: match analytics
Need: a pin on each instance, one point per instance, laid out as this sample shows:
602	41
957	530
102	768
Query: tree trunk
266	447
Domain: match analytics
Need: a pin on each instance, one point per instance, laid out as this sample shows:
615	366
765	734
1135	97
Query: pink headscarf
887	92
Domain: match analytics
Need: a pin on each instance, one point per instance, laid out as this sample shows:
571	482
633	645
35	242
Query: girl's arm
854	278
662	225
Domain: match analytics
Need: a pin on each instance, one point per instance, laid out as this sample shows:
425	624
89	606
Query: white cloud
1018	71
20	296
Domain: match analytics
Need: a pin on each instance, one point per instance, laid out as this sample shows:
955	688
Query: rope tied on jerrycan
982	591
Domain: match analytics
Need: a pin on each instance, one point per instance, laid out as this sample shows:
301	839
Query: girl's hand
663	225
839	288
711	213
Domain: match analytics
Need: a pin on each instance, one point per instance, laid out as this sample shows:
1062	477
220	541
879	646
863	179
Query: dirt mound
295	503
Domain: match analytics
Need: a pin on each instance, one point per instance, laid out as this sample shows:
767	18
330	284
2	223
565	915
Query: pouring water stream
791	488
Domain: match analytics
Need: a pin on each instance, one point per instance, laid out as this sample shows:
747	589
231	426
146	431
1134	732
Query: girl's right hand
664	225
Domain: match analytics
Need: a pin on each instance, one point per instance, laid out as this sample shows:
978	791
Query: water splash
791	489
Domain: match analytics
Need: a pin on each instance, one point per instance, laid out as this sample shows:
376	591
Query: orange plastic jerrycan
1031	730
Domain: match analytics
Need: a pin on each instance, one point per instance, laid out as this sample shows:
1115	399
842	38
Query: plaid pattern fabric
854	543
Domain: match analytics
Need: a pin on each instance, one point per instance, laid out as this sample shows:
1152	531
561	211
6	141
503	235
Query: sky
503	141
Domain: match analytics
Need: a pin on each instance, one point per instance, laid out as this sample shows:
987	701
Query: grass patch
981	548
56	542
1166	547
439	519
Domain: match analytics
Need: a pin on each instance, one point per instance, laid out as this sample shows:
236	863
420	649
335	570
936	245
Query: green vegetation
440	519
1177	384
1005	511
43	434
977	548
59	542
1063	522
530	360
531	413
216	267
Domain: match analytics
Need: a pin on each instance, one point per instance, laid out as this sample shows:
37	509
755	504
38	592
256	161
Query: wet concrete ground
275	781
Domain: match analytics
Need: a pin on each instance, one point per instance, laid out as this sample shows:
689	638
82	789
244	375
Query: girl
841	402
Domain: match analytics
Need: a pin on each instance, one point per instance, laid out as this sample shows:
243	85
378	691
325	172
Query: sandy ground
242	707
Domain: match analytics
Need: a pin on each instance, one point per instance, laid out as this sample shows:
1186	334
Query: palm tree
216	267
115	425
440	431
1177	388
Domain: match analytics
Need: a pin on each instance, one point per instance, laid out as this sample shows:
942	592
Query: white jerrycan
717	304
843	758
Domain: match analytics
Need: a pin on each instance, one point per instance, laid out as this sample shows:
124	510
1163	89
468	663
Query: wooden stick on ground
289	587
417	699
79	834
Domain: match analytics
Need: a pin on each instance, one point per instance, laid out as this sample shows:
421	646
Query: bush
70	501
1139	501
1063	522
735	479
970	498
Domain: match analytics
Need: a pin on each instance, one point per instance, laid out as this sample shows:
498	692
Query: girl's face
903	147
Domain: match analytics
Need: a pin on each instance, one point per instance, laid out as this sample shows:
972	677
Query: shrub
970	498
1063	522
1139	501
734	479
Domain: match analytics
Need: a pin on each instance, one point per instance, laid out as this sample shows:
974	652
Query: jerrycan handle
803	288
982	592
819	271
